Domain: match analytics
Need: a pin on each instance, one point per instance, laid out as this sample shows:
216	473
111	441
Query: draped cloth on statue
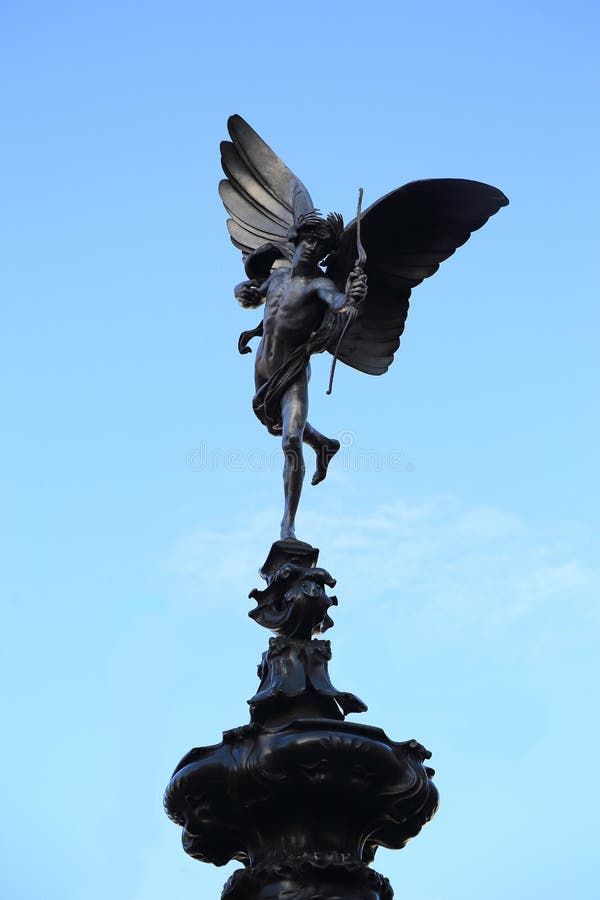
267	400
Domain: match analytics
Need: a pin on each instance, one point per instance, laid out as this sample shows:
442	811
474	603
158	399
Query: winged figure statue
330	287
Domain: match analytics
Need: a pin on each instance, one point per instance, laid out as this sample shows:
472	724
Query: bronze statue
301	796
326	287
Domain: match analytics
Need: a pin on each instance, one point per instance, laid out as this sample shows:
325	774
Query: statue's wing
260	193
406	235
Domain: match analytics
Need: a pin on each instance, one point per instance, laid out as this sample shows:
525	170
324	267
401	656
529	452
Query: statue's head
323	233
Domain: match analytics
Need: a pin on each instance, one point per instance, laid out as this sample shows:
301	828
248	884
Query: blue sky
461	518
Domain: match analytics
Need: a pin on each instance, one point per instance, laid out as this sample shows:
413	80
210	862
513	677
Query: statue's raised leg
325	449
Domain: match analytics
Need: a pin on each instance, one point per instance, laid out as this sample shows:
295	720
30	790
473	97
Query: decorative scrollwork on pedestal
294	603
315	788
304	878
294	675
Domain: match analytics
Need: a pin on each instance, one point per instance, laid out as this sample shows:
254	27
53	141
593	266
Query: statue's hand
356	286
248	294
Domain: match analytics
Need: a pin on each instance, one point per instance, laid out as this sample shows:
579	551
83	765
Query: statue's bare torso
294	309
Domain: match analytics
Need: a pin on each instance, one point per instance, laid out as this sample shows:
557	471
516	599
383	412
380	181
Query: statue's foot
325	454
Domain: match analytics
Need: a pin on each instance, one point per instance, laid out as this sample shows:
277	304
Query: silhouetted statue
326	287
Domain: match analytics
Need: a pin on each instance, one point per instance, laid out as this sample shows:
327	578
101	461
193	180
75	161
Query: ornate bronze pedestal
299	796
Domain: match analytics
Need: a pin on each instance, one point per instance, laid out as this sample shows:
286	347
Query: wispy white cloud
480	567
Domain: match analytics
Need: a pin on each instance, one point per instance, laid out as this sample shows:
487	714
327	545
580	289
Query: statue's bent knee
292	443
